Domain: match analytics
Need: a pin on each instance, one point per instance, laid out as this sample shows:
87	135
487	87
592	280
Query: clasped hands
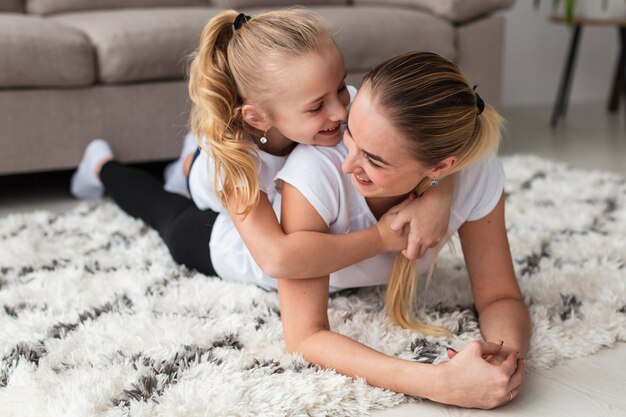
481	375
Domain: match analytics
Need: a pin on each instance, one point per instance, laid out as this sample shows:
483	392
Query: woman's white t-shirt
316	173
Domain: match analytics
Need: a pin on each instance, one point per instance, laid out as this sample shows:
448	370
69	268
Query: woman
414	121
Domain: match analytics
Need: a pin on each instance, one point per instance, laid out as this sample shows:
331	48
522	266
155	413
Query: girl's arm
428	218
466	380
498	299
306	254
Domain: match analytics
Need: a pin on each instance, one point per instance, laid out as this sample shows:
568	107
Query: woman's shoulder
487	166
479	187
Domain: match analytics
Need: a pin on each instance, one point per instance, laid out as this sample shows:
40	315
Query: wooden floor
594	386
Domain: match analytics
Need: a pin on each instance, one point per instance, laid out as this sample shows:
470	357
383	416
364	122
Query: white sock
175	179
86	185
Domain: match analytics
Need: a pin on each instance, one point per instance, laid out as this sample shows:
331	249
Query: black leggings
185	229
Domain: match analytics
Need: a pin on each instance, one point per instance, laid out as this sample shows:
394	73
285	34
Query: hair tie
480	103
239	21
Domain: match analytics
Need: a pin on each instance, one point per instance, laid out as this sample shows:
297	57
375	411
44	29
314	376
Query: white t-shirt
230	257
201	178
316	173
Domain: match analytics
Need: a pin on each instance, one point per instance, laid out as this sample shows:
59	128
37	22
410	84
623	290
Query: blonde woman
259	87
414	121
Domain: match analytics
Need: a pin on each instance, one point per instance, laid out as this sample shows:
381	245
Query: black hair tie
239	21
480	103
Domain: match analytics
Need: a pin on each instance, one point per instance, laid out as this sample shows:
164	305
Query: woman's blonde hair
232	67
429	102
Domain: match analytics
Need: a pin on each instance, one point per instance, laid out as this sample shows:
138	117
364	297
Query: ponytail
216	115
400	298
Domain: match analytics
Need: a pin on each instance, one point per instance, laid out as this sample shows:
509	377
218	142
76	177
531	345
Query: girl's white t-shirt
230	257
316	173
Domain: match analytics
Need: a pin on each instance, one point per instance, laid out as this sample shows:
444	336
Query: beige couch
72	70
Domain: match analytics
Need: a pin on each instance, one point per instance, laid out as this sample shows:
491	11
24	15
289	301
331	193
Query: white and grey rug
97	320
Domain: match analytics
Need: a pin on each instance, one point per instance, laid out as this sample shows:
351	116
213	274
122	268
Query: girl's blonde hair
429	102
232	67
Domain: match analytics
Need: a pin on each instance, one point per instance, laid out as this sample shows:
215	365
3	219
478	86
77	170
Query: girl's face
378	156
312	97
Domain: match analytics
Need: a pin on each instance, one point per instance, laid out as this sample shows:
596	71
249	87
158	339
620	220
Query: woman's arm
303	305
306	254
306	330
499	301
466	380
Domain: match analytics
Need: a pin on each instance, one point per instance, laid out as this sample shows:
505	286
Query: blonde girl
415	118
259	86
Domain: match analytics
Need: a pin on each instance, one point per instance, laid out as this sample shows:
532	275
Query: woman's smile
362	181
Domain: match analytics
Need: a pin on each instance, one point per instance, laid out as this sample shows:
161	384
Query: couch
72	70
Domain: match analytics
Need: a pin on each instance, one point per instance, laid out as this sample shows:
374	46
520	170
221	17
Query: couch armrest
452	10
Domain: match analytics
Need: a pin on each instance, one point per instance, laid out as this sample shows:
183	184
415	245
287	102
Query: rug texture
97	320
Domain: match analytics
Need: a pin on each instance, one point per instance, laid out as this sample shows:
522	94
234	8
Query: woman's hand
478	377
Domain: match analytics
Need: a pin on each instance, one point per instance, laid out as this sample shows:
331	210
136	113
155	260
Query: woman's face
378	156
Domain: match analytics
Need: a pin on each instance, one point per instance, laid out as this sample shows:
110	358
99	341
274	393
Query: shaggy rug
97	320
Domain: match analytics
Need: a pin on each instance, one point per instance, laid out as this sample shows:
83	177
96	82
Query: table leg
618	80
622	32
560	107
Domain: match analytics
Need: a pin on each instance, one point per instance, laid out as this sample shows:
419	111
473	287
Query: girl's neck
276	144
380	205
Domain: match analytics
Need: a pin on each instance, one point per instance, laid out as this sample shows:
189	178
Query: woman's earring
434	182
263	139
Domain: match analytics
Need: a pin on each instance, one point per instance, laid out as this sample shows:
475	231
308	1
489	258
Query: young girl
414	118
259	86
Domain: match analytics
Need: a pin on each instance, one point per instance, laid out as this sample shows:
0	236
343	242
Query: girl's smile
331	131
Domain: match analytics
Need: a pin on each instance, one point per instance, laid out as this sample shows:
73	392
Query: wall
535	52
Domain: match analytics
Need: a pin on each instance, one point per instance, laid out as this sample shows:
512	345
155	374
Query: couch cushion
141	44
234	4
40	53
57	6
16	6
454	10
369	35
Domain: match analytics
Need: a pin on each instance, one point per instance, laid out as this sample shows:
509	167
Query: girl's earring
263	139
434	182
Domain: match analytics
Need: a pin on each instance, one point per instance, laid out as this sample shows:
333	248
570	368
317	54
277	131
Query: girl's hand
427	218
469	380
393	241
